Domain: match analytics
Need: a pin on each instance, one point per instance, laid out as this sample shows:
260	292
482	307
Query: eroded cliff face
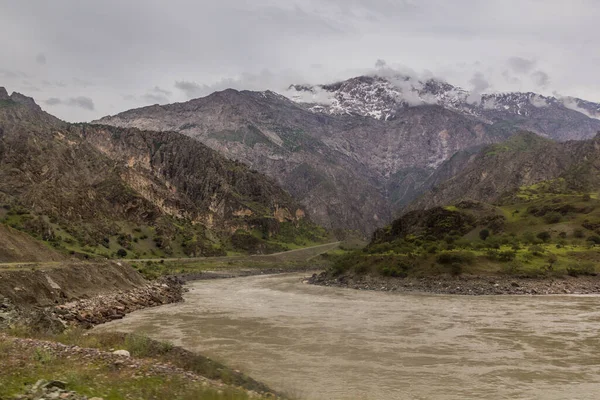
103	187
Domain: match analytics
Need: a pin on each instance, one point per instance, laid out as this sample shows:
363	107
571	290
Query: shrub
544	236
122	253
431	249
562	235
578	233
502	256
506	256
462	257
483	234
536	250
456	269
595	239
552	217
512	268
581	269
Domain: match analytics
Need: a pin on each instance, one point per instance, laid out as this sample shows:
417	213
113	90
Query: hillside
525	208
105	191
546	234
499	170
356	151
17	246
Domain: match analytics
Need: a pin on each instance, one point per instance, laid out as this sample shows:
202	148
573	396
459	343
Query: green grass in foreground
98	378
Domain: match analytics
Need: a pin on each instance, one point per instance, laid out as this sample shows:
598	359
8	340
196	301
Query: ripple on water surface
330	343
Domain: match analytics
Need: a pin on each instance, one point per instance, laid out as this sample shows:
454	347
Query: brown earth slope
17	246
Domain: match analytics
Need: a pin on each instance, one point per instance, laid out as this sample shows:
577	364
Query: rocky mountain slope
101	190
500	170
354	152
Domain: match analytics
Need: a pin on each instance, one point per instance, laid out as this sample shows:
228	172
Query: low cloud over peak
81	102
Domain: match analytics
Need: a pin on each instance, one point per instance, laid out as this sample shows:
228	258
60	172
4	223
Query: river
318	343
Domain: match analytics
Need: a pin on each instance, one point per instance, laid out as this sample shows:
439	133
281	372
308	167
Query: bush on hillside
544	236
552	217
581	269
458	257
484	233
595	239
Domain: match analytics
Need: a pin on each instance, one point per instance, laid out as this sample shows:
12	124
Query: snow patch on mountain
384	97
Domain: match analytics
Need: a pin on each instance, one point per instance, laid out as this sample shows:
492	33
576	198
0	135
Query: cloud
155	98
53	101
520	65
540	78
574	104
235	40
478	86
191	89
40	58
162	91
510	79
80	102
538	101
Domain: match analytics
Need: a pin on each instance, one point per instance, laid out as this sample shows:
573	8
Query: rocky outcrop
50	390
4	94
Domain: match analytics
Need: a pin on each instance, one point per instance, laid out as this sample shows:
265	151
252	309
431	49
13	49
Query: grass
97	378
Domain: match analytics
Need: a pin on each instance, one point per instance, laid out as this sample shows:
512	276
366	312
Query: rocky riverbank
465	285
107	307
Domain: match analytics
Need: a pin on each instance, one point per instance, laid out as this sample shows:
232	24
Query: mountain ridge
354	170
97	189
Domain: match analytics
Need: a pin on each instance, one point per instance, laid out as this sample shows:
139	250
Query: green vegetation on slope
540	232
94	374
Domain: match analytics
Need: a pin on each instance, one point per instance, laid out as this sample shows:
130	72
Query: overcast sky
82	60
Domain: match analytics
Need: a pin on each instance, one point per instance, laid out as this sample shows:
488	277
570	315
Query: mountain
101	190
355	152
500	170
385	97
524	208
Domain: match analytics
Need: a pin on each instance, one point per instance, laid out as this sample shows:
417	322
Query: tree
122	253
484	234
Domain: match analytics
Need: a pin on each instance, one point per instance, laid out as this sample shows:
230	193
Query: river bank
465	284
45	319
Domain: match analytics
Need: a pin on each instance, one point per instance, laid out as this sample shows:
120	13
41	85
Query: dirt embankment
16	246
57	285
84	294
466	285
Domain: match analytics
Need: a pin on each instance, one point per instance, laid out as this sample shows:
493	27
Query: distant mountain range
356	152
385	98
104	191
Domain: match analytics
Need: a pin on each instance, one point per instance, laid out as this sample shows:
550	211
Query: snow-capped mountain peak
384	97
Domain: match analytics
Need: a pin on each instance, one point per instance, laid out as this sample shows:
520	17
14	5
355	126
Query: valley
114	234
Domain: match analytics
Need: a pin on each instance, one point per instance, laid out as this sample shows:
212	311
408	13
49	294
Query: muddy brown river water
328	343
